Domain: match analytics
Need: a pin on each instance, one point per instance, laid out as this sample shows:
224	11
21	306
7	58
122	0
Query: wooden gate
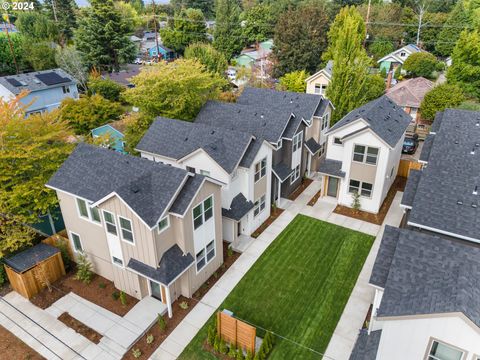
236	332
405	166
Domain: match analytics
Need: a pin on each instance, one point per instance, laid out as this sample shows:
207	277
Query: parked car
410	144
138	61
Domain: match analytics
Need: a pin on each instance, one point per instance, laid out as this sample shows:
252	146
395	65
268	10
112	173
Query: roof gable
37	81
410	92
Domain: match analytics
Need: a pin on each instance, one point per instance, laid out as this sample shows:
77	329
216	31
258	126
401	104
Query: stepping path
176	342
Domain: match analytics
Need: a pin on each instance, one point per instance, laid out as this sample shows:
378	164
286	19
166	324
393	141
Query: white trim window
260	169
110	222
325	121
87	212
205	172
297	142
163	224
365	154
296	174
441	351
318	89
77	242
126	229
205	255
117	261
363	188
259	206
202	212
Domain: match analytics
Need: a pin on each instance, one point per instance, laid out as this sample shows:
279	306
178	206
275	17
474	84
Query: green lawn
298	288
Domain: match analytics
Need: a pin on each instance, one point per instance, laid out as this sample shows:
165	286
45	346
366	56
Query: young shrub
229	251
240	355
136	353
212	332
123	298
216	343
183	305
3	274
102	285
40	273
150	339
107	88
232	352
356	205
115	295
398	73
84	269
63	247
223	347
161	323
249	355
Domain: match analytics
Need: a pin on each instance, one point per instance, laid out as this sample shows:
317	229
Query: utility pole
155	27
7	19
366	23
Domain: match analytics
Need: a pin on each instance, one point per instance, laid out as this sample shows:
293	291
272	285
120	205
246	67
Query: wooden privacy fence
60	237
235	331
29	271
406	165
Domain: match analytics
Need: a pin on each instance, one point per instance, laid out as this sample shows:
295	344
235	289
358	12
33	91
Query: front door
239	228
156	290
332	187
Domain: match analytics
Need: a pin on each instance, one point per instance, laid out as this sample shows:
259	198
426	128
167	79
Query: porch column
279	192
309	163
169	302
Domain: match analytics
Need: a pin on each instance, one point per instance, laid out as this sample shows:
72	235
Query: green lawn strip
298	288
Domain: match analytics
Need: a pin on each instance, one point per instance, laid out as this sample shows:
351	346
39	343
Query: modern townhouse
238	160
363	153
293	124
152	229
426	274
46	89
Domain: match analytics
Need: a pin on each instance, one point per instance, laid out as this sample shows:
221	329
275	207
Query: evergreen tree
103	37
64	13
187	27
350	80
228	32
452	29
258	23
206	6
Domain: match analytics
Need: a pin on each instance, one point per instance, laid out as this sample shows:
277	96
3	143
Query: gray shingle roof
366	346
384	258
33	83
264	113
331	167
312	146
427	147
383	116
329	68
172	264
282	171
27	259
176	139
92	173
436	122
323	106
185	197
445	198
239	207
251	152
432	275
411	187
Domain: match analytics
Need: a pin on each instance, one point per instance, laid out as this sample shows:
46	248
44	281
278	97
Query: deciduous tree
420	64
227	36
206	54
450	33
294	81
107	88
70	60
176	90
439	98
206	6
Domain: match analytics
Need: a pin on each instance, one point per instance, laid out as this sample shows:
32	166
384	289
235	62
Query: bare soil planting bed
80	327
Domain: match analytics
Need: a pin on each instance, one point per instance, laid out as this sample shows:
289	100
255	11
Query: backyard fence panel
61	236
236	332
406	165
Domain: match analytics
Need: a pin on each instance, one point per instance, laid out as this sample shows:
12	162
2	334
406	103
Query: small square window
77	244
372	154
204	172
211	250
163	224
440	351
337	141
366	189
117	261
200	259
354	186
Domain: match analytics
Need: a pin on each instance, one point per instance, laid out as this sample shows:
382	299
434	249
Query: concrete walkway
351	321
176	342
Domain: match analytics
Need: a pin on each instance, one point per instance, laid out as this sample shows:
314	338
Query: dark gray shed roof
312	146
432	275
366	346
93	173
445	199
411	187
384	258
383	116
34	83
239	207
331	167
427	147
282	171
176	139
172	264
27	259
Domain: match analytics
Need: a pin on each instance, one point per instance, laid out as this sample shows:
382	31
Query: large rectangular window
87	212
82	208
441	351
363	188
126	229
325	121
110	222
205	255
77	243
260	169
365	154
296	174
259	206
297	141
202	212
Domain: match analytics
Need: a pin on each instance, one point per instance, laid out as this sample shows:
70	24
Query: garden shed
30	270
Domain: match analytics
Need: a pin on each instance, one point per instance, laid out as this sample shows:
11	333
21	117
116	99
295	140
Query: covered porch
282	172
332	173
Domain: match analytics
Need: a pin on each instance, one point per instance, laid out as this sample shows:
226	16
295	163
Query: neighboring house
46	89
255	56
292	123
241	162
152	229
409	95
318	82
397	58
123	76
426	274
115	131
137	41
363	153
162	51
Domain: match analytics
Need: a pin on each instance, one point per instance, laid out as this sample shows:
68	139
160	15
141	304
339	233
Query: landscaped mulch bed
299	190
398	185
100	292
275	213
229	257
315	198
80	327
11	347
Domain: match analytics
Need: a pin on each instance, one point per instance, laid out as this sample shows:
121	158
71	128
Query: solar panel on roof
14	82
51	78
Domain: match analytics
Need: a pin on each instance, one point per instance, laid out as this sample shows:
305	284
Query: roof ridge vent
456	142
134	188
261	116
473	151
459	202
477	123
474	204
475	190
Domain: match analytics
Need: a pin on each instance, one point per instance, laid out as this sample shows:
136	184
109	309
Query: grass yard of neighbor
298	288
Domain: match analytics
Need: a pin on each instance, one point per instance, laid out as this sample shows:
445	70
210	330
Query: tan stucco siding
363	172
260	188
